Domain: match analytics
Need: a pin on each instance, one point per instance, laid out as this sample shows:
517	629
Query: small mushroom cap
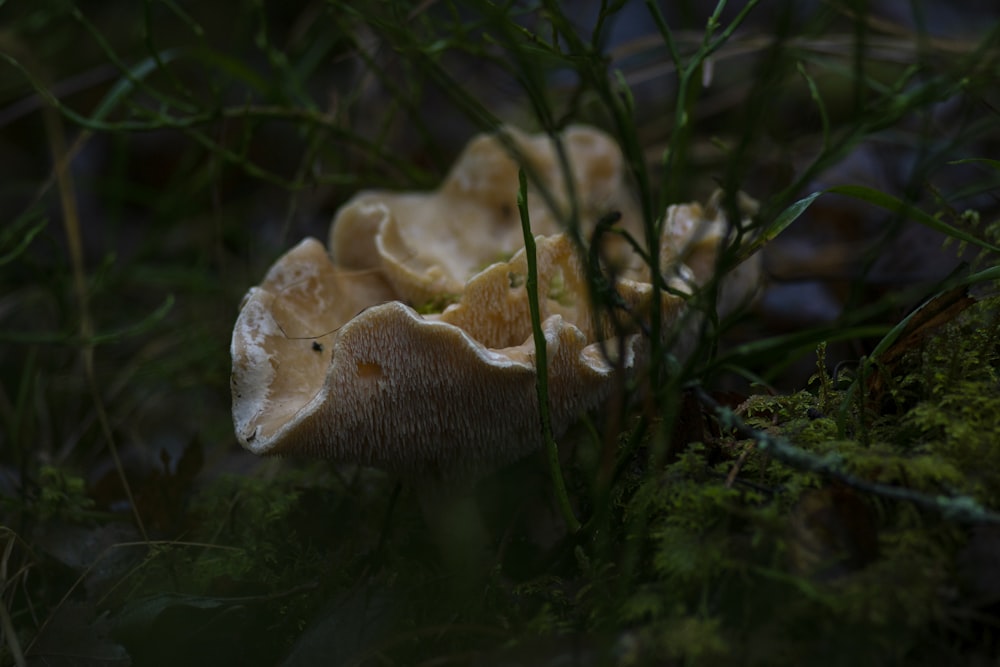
693	236
390	388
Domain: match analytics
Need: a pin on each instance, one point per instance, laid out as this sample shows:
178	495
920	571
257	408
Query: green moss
558	292
437	304
744	554
764	411
62	494
957	385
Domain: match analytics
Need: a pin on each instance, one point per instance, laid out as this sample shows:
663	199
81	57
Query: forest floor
817	483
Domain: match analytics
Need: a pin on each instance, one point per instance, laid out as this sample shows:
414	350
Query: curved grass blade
27	220
541	360
786	218
890	203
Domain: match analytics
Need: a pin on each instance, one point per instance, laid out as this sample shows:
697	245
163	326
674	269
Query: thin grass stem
541	359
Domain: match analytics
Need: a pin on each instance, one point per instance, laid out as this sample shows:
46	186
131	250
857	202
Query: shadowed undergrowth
816	483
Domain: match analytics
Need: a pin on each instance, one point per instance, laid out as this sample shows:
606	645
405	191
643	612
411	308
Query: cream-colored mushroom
431	244
330	359
494	304
692	237
387	387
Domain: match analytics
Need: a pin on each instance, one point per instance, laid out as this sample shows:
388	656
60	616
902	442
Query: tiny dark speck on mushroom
317	346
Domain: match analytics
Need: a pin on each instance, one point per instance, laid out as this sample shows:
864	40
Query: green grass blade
786	218
541	359
890	203
28	220
994	164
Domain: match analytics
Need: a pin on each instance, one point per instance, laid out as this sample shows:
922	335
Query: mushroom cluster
408	345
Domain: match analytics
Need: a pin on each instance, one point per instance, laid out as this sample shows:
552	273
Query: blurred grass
158	157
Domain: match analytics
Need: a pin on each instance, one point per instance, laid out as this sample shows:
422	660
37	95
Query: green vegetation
436	305
734	510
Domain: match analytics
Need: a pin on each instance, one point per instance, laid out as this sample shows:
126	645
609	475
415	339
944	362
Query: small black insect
317	346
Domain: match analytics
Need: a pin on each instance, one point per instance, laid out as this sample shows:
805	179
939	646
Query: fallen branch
958	508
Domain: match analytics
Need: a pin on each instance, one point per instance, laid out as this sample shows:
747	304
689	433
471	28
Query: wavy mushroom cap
389	388
330	360
431	244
